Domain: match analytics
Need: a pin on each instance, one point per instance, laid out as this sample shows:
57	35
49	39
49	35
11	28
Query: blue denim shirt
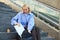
24	19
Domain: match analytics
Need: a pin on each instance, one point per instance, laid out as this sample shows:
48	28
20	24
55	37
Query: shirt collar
28	13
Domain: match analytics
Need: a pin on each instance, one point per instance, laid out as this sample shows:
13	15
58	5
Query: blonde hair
27	7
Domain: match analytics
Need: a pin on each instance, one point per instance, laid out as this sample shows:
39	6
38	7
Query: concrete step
4	28
42	38
43	34
4	5
7	10
47	38
5	35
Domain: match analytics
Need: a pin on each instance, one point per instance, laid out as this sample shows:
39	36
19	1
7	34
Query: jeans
34	33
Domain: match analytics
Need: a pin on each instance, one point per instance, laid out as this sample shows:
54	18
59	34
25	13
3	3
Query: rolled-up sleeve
31	23
14	19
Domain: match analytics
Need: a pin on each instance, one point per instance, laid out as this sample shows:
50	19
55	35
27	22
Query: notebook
19	30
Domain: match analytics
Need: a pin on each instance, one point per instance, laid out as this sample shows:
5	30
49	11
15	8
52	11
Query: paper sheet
19	30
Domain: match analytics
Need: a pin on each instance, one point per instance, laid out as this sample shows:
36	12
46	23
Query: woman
26	18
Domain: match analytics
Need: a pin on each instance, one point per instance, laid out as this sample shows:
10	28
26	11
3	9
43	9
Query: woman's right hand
17	24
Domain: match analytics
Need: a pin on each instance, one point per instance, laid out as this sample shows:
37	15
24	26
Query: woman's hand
29	31
17	24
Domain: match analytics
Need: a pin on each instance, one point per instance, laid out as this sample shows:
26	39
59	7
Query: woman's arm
31	23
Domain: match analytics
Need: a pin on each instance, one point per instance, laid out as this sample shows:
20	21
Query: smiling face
25	9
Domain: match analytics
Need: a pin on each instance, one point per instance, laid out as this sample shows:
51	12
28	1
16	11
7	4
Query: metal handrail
56	25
